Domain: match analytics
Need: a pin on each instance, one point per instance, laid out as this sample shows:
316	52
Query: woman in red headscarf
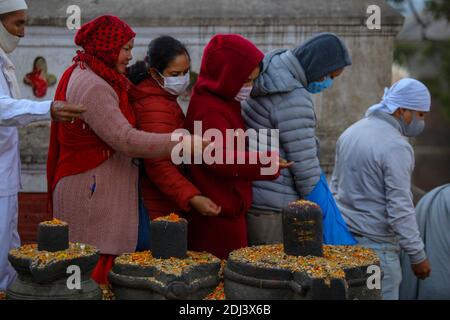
230	65
92	178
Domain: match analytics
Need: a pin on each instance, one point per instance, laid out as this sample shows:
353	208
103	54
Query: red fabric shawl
73	149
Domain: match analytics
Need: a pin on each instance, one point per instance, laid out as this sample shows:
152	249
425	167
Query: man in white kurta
16	112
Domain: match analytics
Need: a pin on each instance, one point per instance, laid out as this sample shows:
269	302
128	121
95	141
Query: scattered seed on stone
44	258
331	266
173	266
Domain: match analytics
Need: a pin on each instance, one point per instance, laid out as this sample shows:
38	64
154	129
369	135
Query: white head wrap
406	93
12	5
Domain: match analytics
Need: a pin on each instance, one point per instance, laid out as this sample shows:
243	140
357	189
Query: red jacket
165	189
228	61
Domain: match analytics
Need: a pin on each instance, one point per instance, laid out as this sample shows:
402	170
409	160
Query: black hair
160	53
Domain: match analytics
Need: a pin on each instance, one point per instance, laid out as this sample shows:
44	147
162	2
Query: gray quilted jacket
280	101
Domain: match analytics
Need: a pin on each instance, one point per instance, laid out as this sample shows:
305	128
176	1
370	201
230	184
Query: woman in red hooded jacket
159	80
230	65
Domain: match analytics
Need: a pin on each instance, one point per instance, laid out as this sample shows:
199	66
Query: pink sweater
107	218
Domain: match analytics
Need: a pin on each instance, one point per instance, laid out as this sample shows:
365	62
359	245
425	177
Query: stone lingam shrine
42	268
300	268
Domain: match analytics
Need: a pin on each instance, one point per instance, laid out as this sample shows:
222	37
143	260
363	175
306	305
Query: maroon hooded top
228	61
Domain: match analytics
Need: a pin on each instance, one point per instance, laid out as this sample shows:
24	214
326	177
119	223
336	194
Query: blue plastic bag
335	230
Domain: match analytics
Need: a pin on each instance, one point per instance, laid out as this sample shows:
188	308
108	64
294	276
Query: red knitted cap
103	38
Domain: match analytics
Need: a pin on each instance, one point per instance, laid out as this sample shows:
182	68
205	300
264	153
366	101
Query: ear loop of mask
163	78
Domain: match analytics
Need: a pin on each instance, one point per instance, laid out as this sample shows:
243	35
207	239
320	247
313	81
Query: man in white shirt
16	112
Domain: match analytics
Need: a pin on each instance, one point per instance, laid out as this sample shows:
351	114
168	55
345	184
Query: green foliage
440	8
404	51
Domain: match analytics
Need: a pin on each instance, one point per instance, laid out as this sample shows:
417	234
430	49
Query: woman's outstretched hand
284	164
205	206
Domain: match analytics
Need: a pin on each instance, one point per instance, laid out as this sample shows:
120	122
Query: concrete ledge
216	12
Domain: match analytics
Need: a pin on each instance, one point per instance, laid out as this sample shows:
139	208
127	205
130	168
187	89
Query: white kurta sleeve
19	112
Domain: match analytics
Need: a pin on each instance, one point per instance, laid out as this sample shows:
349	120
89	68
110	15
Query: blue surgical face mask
318	87
413	129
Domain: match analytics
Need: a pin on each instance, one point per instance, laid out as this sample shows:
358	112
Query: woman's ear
155	74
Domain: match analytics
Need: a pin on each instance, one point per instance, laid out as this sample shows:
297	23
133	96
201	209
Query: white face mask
8	41
243	94
175	85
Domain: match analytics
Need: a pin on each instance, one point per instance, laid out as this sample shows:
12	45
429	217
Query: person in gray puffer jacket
281	99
